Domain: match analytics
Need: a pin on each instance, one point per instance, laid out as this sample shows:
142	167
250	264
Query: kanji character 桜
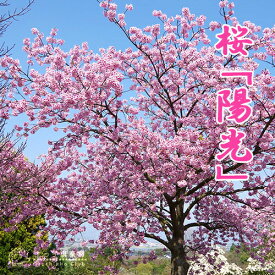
232	145
232	41
238	107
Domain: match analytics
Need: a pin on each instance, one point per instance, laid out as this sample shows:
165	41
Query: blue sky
80	21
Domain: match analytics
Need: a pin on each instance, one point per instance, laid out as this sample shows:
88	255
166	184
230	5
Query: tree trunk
179	265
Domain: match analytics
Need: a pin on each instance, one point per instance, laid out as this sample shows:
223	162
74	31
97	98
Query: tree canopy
18	245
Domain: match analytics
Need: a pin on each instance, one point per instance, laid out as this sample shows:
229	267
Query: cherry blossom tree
16	176
136	156
6	18
20	231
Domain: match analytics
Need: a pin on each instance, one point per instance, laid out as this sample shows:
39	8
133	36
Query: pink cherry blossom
139	136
